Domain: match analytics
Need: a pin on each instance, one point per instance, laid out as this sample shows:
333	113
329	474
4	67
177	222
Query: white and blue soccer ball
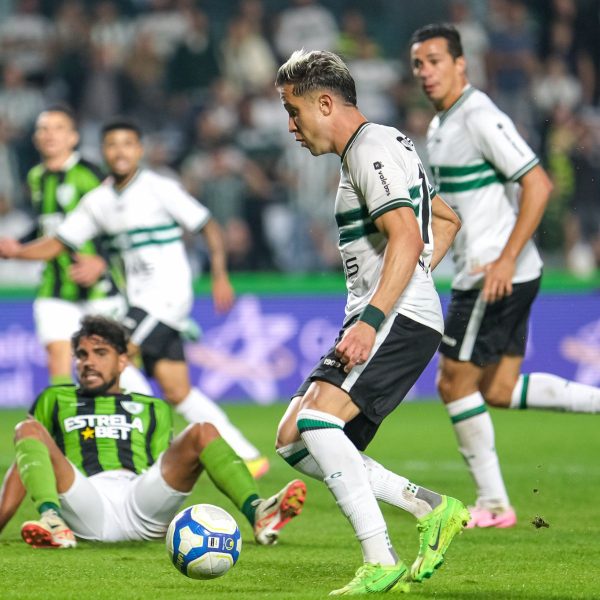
204	541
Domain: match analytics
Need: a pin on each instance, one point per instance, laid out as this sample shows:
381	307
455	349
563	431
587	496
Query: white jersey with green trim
477	156
381	171
144	223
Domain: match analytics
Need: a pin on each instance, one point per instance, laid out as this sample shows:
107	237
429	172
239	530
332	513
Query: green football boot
373	577
437	530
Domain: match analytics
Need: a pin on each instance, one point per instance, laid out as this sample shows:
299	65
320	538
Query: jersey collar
118	192
467	91
352	138
68	164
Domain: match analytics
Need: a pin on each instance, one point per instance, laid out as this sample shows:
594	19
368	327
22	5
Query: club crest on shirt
65	194
133	408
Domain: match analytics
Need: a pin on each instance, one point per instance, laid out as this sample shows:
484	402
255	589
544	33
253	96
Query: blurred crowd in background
197	75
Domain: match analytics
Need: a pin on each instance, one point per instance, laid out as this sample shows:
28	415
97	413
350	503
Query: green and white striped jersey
144	223
103	433
381	171
54	194
477	156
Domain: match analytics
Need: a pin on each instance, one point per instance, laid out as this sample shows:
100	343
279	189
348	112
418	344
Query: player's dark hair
63	108
440	30
120	123
113	333
317	70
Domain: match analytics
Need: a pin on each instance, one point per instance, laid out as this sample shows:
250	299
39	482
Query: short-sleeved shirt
103	433
54	195
381	171
144	223
477	157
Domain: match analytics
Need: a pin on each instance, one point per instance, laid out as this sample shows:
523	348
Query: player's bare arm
536	188
11	495
45	248
222	290
404	246
445	224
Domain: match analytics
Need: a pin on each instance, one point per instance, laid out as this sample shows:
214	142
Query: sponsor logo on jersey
134	408
65	194
115	427
378	166
406	142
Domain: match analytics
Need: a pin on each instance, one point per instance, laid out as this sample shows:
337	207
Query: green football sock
36	472
230	474
60	379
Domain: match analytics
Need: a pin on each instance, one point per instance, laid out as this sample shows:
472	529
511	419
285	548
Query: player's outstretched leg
50	531
374	578
437	530
273	513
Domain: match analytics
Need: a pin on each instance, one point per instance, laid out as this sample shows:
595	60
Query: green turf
550	463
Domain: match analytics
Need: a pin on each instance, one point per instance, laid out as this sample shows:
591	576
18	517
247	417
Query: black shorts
154	339
482	333
402	350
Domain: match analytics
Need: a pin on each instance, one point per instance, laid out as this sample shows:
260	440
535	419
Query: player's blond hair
317	70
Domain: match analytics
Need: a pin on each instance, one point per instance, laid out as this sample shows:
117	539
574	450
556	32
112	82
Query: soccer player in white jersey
480	164
142	216
392	327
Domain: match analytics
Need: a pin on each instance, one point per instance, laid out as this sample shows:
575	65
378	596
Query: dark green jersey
103	433
53	195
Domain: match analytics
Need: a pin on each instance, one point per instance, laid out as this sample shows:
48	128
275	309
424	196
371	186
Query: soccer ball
204	541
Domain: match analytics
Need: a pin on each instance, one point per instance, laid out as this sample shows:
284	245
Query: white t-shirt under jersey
144	223
381	171
477	156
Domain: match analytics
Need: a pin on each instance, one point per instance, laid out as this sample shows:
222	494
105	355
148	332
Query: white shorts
116	506
57	320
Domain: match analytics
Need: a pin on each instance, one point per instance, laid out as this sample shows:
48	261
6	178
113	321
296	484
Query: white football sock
386	485
475	435
132	380
544	390
199	408
346	477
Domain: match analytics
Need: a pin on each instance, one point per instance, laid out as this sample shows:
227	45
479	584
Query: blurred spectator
26	38
10	183
512	59
353	35
248	62
110	31
20	101
163	25
555	86
582	228
474	39
307	25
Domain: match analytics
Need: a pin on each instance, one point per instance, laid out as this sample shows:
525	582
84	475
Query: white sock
346	477
132	380
475	435
386	485
544	390
199	408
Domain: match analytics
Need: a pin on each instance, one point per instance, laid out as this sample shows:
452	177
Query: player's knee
203	434
29	428
175	393
446	386
498	395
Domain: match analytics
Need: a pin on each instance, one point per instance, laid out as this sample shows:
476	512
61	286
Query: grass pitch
551	466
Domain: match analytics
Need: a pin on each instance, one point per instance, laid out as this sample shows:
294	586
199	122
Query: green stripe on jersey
462	170
393	204
355	233
351	216
468	185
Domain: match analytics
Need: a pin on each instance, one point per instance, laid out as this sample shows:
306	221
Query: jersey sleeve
183	207
41	409
79	226
497	138
381	178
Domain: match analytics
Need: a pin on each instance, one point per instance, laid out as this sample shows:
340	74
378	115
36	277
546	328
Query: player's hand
497	279
356	345
9	248
86	270
222	293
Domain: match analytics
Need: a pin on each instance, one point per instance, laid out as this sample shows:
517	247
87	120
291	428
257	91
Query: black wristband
372	316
